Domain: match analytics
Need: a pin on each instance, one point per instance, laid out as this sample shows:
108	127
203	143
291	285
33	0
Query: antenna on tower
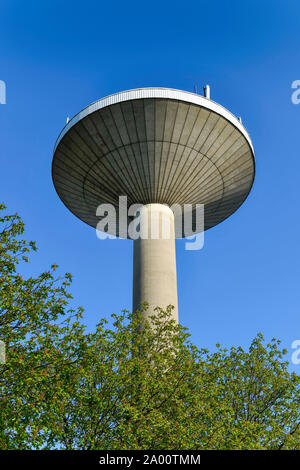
195	89
68	119
206	90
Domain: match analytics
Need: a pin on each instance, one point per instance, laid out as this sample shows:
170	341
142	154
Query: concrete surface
154	261
154	146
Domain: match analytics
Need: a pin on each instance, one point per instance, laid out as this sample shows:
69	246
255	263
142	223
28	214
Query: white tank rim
156	92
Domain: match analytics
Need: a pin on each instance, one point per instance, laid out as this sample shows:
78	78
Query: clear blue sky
57	57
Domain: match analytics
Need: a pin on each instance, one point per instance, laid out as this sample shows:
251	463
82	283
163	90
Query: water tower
159	147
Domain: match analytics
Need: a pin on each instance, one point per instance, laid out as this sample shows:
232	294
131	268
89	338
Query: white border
140	93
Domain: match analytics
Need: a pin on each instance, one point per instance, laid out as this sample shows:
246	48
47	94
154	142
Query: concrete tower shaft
154	260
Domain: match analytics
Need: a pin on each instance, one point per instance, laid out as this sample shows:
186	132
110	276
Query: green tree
127	387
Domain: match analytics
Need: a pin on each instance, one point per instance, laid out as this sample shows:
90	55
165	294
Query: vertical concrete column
154	260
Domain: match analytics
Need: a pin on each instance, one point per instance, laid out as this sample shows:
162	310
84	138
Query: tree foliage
127	387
